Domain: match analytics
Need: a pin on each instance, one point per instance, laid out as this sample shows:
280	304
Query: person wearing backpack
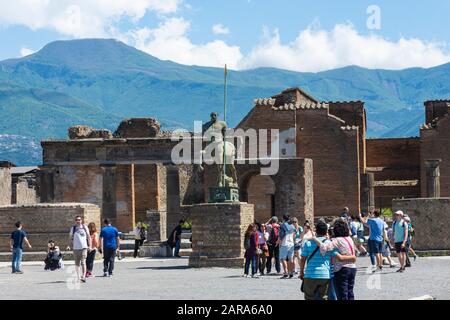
80	241
273	228
400	231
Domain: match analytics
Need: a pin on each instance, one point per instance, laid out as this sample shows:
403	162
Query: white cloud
317	50
82	18
220	29
169	41
26	51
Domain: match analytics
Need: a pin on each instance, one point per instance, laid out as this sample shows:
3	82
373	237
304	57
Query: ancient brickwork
125	198
5	186
430	218
44	222
24	192
396	167
212	244
261	192
434	145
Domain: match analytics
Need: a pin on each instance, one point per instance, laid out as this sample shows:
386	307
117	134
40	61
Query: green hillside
99	82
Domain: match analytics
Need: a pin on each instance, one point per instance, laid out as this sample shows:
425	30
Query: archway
260	191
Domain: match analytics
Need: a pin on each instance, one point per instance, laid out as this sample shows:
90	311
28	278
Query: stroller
53	261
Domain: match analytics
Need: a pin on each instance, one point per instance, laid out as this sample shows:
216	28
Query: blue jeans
253	261
344	281
331	291
16	259
177	247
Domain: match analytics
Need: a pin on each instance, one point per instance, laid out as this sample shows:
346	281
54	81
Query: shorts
398	247
80	256
375	247
286	253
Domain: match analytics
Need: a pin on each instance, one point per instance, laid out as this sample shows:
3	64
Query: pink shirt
345	247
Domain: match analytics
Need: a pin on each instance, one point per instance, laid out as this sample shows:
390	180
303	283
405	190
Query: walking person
263	250
297	241
410	238
273	228
81	242
110	246
93	233
286	241
400	231
18	237
251	246
357	228
175	238
376	239
139	238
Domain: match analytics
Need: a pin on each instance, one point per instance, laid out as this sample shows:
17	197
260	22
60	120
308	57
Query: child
53	260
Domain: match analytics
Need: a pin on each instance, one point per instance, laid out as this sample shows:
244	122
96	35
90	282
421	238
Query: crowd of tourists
324	256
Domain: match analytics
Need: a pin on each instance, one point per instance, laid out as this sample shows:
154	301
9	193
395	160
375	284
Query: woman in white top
263	249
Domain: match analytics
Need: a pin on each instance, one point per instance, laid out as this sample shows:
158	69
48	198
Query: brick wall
25	193
430	218
125	198
261	192
434	145
43	222
5	186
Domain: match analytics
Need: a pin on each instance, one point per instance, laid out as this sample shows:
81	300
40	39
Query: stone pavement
172	279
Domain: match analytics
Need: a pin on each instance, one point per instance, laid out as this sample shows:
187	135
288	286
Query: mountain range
99	82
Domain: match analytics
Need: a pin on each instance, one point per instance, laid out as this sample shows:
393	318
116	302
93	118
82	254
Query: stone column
433	175
368	200
45	184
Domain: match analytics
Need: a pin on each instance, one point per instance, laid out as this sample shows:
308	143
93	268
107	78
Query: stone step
41	255
185	252
186	235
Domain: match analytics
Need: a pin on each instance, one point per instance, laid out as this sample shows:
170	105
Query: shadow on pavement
165	268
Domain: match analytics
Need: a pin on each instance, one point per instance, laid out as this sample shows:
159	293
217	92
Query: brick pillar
108	209
157	221
433	175
45	184
125	198
368	194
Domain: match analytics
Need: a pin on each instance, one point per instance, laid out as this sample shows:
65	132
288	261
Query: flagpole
225	120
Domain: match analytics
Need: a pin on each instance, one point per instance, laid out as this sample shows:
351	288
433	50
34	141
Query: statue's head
214	116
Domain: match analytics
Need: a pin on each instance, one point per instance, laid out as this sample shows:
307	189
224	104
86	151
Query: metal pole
225	120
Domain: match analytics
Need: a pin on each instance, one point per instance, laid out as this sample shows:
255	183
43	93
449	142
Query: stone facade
44	222
430	218
218	234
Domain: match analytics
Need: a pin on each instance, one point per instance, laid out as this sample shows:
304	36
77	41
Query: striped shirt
318	266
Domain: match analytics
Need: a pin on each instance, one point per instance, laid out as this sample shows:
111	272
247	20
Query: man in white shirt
287	232
81	244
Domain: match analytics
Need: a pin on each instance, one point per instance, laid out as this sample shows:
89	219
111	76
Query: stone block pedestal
218	234
155	249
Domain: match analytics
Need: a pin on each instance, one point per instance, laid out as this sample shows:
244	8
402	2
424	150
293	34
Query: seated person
53	259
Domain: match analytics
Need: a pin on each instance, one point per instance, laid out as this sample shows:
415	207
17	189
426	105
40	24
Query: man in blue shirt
377	230
110	245
316	276
18	237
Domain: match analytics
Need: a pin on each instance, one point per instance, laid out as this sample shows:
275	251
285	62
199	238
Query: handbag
307	260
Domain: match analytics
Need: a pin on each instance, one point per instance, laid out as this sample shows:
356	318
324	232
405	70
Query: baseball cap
399	212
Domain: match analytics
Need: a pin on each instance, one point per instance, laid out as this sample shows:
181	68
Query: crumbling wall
44	222
138	128
430	218
5	186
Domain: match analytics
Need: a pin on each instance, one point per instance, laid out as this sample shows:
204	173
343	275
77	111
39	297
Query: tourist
175	238
400	231
273	228
81	242
297	241
357	228
263	250
139	237
410	237
345	214
110	245
18	237
251	246
344	267
376	238
316	275
93	233
286	242
53	259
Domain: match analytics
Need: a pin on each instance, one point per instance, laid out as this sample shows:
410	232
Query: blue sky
291	34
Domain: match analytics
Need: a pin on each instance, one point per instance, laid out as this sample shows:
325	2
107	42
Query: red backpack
274	234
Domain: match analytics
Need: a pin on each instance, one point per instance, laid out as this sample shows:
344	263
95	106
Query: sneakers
110	275
83	280
255	276
415	257
284	276
291	276
19	272
105	274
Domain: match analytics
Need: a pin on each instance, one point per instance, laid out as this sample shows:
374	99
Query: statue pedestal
155	249
218	234
223	194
